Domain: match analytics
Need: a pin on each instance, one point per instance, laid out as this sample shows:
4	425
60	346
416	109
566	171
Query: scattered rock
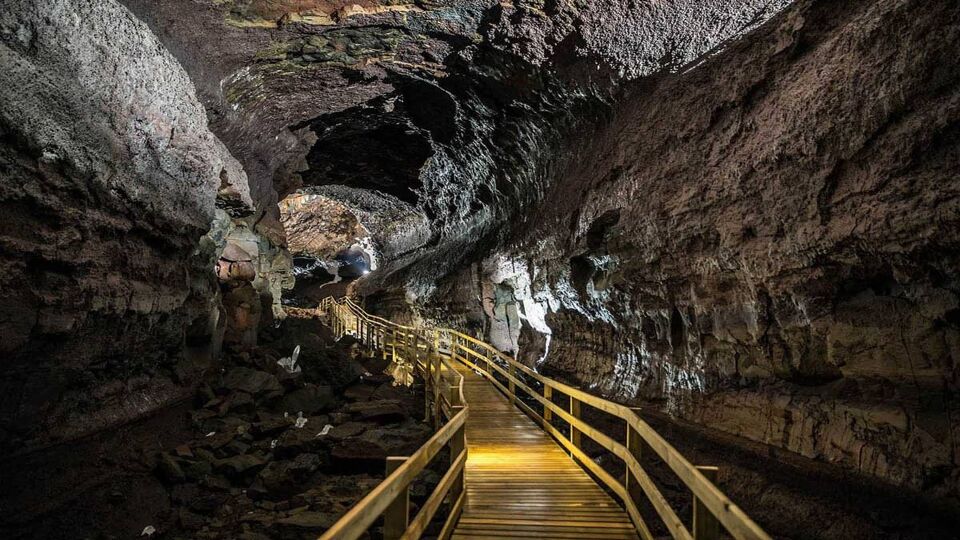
239	465
251	381
359	392
349	429
311	399
383	411
169	468
309	520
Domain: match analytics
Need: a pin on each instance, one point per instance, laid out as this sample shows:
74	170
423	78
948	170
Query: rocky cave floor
234	462
257	453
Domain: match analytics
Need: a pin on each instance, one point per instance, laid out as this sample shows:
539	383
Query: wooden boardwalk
521	484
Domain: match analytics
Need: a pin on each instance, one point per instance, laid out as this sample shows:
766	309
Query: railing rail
711	509
416	349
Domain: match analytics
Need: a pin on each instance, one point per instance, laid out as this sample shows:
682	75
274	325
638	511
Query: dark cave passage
737	217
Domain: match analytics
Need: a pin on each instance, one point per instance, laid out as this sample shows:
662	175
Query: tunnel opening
375	146
331	248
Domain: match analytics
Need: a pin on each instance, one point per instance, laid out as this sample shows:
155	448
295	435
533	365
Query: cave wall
110	181
740	212
766	242
435	122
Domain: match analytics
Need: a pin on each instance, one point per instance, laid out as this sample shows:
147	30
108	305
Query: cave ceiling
451	114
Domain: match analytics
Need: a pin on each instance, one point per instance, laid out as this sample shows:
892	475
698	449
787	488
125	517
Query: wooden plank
512	466
705	526
519	482
455	511
397	515
430	507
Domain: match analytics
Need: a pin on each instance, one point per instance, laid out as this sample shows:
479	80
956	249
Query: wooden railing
711	508
417	350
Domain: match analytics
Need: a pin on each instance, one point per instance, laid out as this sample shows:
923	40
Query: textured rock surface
318	226
767	243
751	230
110	177
742	212
433	121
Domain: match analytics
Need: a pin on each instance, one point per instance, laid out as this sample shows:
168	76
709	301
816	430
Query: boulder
168	467
311	399
390	391
312	521
189	520
270	426
359	454
359	392
294	441
241	465
251	381
196	469
280	479
383	411
347	430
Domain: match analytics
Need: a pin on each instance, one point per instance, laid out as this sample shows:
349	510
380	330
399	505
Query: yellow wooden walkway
521	484
513	480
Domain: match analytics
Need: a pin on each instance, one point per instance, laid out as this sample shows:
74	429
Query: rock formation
112	184
763	252
739	213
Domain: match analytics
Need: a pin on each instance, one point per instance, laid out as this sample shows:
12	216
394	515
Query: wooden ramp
521	484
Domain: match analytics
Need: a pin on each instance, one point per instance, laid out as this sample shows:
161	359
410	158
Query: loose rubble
282	453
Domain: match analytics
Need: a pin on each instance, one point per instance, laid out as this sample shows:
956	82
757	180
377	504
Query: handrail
711	502
711	509
390	497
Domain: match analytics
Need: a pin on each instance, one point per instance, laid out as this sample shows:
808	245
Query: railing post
457	444
336	322
547	395
383	342
437	377
574	412
705	525
513	386
397	516
428	382
453	395
635	447
393	345
413	344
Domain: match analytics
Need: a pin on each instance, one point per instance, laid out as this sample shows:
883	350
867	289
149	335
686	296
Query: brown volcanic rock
110	178
319	226
768	242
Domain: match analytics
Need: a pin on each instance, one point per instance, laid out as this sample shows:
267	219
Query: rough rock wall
448	113
767	243
319	226
109	177
762	227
